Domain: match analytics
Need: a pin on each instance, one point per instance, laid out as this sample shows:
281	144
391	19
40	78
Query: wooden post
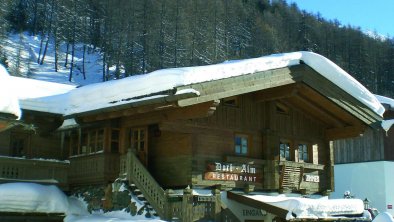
218	206
168	215
187	205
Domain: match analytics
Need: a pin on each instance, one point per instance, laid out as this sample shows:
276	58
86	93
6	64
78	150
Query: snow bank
9	102
383	217
32	198
314	208
106	218
112	93
36	198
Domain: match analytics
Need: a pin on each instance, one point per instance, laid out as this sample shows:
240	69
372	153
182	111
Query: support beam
315	110
276	93
344	132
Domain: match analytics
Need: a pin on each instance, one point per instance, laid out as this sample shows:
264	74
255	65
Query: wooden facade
375	144
266	131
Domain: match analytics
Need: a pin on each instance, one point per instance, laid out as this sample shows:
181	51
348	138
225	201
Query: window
303	154
73	140
230	101
241	144
115	140
284	149
92	141
139	143
138	139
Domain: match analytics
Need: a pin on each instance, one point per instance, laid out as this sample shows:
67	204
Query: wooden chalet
270	130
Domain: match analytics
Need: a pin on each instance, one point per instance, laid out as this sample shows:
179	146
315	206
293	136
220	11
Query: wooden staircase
290	178
140	196
144	186
166	204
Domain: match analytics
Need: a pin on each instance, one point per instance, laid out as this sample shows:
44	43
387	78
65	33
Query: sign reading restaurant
232	172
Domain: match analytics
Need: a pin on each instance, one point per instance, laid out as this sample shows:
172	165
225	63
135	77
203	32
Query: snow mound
307	208
383	217
32	198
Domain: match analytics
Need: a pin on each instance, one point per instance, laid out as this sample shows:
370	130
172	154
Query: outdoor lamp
366	204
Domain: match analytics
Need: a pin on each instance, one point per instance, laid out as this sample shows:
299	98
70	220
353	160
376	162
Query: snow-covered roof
387	124
154	85
9	102
36	95
389	102
308	208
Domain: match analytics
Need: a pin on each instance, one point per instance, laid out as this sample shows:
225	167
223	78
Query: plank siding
389	144
170	158
368	147
212	138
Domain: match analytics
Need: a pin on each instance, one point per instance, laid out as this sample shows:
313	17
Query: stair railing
152	191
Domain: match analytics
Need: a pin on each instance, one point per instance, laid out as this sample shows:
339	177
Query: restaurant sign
232	172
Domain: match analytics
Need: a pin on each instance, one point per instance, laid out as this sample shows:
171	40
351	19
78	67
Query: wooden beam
174	113
276	93
337	95
344	132
317	111
127	112
280	212
238	85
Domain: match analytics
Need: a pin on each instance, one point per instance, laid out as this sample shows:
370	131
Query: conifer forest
140	36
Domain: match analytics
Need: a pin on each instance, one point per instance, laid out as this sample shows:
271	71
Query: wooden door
139	141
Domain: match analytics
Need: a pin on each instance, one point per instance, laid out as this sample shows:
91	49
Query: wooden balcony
14	169
286	175
97	168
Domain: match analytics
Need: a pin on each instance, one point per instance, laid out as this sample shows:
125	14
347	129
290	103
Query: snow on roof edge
341	78
387	124
386	100
8	104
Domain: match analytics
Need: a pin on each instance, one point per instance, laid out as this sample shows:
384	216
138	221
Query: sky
377	15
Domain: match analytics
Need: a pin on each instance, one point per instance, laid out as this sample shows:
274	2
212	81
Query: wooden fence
34	170
98	168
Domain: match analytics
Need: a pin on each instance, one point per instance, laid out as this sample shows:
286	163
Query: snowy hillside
22	52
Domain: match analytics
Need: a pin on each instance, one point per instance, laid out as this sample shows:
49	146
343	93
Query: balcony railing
15	169
97	168
287	175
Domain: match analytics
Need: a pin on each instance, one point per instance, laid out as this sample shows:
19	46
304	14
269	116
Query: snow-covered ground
36	198
22	51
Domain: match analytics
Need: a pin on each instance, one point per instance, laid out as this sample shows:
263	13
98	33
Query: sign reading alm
232	172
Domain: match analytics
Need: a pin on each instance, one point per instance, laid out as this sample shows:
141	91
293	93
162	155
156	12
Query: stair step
137	192
142	198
